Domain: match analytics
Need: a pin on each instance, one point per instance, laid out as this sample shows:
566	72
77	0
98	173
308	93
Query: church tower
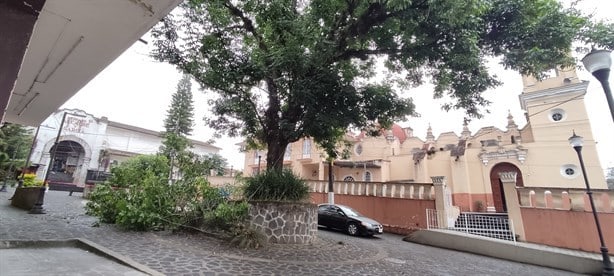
555	109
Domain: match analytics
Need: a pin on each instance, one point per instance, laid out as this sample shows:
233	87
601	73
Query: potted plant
26	196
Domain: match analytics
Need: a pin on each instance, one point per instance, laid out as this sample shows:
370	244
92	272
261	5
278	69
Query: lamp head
576	141
597	60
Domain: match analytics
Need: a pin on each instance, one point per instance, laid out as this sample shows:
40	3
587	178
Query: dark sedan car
347	219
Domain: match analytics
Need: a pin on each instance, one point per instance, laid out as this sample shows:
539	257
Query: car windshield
349	211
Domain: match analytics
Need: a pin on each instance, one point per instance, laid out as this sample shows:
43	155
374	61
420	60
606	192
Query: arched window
367	177
348	179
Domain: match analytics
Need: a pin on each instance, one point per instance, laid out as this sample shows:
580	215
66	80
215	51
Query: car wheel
352	229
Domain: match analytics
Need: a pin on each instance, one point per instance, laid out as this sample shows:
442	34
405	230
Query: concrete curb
81	244
570	260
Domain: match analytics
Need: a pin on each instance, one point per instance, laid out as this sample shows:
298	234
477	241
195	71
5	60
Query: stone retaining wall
285	223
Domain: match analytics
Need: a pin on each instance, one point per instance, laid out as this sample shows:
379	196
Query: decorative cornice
519	153
571	89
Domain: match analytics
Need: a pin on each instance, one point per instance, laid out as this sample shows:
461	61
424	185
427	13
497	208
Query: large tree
287	69
179	120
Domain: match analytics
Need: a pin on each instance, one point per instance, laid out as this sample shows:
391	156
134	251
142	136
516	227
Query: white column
511	201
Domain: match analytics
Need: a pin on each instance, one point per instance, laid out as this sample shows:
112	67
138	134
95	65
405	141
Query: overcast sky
137	90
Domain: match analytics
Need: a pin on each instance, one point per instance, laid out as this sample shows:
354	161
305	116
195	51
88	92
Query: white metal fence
492	226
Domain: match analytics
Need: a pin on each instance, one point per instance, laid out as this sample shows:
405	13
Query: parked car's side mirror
341	213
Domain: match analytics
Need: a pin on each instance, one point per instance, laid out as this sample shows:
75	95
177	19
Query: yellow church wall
545	161
401	168
422	174
447	138
439	165
489	133
559	77
410	144
526	134
575	118
372	148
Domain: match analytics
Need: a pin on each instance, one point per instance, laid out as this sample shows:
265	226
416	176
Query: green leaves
290	69
135	169
15	141
179	120
274	185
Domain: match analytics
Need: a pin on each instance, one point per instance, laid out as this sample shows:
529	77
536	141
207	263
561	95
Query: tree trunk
275	146
275	155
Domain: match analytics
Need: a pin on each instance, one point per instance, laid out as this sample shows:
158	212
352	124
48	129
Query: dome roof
399	132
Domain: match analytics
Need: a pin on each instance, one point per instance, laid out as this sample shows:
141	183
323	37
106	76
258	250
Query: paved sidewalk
192	254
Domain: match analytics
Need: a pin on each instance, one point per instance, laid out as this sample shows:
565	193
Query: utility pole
331	193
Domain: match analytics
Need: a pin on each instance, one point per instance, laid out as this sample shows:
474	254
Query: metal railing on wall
483	225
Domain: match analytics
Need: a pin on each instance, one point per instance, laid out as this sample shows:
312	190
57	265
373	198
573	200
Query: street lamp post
598	62
576	142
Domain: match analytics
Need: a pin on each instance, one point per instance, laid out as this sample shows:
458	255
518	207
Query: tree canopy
288	69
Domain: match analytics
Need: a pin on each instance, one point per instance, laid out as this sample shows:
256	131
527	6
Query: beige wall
399	168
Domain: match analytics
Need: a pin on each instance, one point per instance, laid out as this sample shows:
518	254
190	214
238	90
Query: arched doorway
497	186
66	162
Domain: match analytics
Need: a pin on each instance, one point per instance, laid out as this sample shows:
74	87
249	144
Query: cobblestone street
189	254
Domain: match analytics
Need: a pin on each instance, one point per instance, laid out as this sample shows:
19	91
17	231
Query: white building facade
88	146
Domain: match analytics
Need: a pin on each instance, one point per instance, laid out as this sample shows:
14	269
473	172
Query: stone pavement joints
333	253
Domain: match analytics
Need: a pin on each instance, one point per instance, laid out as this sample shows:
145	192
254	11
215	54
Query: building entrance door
66	164
497	186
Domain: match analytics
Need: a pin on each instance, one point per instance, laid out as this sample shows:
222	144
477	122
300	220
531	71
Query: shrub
273	185
153	204
227	215
29	180
105	203
149	205
135	169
